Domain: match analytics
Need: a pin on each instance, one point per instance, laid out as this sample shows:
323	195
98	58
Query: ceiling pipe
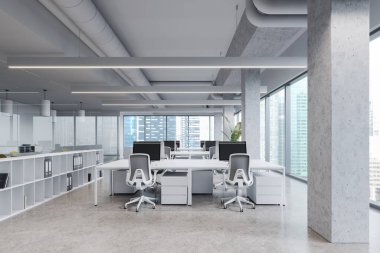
282	7
85	15
260	19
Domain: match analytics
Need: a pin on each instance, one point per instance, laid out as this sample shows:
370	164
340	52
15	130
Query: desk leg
96	187
283	187
189	187
111	184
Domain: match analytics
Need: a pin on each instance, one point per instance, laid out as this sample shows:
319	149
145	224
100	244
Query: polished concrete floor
71	223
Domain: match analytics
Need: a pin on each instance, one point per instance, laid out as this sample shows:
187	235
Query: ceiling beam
121	102
156	62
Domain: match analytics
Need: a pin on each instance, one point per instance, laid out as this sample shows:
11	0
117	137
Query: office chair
167	152
139	175
223	172
239	176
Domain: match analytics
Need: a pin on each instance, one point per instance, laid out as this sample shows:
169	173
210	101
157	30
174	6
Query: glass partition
85	130
262	129
277	127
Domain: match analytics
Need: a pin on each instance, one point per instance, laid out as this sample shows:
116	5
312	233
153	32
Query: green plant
235	133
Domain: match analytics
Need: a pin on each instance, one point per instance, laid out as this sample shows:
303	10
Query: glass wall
277	127
298	127
64	131
374	124
189	130
262	129
85	130
26	126
107	134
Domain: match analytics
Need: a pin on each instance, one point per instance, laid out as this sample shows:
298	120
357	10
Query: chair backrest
167	152
238	162
212	152
139	162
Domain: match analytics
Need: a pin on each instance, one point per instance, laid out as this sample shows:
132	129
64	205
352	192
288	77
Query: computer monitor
209	144
152	148
170	144
178	143
226	148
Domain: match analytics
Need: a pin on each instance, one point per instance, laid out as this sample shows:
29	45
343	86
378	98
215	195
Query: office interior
189	126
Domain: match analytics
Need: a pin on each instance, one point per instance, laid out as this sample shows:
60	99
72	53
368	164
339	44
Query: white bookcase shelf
28	184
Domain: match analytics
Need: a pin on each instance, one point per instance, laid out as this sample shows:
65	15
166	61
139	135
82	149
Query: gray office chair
216	172
167	152
139	175
239	176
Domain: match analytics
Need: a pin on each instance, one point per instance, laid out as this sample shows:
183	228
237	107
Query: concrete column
218	119
250	102
228	122
338	66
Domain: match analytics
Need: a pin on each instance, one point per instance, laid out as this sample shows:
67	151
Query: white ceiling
146	28
174	28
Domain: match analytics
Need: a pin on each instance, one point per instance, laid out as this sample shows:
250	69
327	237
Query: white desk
189	153
189	166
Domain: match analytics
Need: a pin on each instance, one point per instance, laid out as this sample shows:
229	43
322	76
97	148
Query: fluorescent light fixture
19	92
157	89
170	102
156	62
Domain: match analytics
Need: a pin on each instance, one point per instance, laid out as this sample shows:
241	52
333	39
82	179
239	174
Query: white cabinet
28	184
266	188
174	188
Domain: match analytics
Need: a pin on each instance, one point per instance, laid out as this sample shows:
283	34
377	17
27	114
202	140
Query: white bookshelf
28	185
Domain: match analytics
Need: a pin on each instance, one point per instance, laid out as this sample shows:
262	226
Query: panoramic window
298	127
277	127
374	124
189	130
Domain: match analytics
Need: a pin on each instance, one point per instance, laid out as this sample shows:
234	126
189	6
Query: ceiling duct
282	7
85	15
260	19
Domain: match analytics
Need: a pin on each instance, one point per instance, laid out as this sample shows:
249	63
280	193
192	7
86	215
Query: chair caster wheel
125	207
154	207
241	210
224	206
137	211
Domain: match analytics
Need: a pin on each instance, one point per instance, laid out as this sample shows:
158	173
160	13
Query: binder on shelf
69	181
97	157
3	180
77	161
48	167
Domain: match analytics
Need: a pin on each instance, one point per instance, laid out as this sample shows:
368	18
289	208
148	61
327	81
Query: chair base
223	183
141	199
238	199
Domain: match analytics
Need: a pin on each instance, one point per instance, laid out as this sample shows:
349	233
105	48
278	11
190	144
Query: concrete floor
72	224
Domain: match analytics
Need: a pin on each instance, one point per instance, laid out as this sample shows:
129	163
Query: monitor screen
170	144
226	148
153	149
209	144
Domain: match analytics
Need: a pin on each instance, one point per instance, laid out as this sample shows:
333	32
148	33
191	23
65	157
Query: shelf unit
28	187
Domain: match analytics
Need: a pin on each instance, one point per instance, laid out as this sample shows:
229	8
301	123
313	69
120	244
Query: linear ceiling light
19	92
157	89
170	102
156	62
